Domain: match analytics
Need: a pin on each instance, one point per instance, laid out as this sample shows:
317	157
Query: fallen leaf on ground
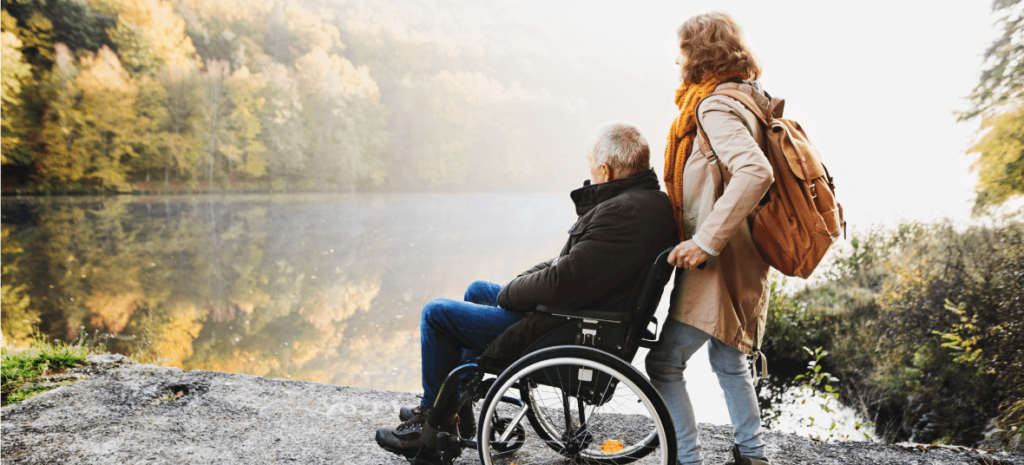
611	446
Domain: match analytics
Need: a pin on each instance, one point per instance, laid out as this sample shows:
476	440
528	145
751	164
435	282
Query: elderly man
624	222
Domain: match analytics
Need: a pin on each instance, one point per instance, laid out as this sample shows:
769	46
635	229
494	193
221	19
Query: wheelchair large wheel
585	405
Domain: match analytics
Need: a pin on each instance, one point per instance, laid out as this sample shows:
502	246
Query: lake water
324	288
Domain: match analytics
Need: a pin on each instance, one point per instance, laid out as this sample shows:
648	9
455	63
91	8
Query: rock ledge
136	413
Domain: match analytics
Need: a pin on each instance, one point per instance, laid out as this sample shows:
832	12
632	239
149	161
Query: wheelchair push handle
664	256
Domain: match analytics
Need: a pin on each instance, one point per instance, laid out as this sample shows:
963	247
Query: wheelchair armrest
599	315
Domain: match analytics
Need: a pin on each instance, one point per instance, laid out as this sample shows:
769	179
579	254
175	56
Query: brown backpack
798	219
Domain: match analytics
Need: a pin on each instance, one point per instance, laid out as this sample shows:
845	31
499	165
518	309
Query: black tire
646	427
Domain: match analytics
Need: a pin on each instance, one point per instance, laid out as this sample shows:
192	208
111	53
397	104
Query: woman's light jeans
665	365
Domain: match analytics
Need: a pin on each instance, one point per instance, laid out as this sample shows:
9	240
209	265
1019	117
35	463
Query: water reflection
324	288
314	287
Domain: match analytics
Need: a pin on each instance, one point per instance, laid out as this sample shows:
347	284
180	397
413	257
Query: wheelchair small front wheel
585	405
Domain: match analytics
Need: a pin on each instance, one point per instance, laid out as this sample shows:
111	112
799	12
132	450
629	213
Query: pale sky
874	83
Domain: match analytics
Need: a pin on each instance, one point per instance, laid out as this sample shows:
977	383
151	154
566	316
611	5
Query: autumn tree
36	35
149	36
93	129
71	22
283	126
310	32
15	71
180	146
246	152
210	122
113	128
228	30
60	160
999	100
339	102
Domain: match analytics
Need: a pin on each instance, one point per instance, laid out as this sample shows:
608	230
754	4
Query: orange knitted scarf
682	135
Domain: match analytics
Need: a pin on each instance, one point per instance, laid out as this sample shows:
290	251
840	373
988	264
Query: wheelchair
574	387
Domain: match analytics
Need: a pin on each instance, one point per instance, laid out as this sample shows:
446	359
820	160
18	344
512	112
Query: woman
725	303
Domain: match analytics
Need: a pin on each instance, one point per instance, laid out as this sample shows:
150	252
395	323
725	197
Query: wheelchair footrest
439	446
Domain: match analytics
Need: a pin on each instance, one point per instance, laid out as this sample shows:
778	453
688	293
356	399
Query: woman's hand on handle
687	255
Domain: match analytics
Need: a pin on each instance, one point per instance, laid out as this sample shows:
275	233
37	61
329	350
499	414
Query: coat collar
751	88
590	195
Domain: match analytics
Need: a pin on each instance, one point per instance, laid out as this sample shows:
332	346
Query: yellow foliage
6	246
339	303
38	35
311	31
93	123
254	165
248	152
238	361
103	72
173	340
15	71
149	34
326	74
1000	163
112	311
17	316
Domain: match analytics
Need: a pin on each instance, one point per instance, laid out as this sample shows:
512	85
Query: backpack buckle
814	191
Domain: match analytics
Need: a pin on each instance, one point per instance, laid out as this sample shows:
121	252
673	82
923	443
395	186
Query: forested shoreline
271	96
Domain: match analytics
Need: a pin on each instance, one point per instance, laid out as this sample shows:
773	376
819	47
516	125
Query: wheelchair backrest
644	304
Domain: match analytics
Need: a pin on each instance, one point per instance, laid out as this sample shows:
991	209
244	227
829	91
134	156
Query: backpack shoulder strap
704	144
746	100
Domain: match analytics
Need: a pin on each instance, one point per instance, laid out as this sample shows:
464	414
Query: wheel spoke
515	422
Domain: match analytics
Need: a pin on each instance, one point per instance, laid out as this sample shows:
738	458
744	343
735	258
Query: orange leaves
611	446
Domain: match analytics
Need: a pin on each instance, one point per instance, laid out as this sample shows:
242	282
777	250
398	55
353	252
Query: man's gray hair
622	146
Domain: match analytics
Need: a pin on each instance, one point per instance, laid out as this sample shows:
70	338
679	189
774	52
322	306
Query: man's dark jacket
623	225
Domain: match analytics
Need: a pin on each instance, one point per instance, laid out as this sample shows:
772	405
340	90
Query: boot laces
418	418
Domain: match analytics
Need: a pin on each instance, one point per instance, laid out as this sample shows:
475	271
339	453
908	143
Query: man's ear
606	172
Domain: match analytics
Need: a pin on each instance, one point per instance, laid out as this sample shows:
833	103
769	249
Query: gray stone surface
132	413
104	358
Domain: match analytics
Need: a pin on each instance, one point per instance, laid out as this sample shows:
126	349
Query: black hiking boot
404	439
466	419
738	459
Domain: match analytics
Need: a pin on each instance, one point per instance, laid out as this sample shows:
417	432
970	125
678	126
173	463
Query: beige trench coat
729	298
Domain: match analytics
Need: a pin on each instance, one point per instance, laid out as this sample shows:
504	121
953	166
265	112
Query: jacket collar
590	195
751	88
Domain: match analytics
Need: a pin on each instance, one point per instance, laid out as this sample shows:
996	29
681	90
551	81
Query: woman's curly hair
713	43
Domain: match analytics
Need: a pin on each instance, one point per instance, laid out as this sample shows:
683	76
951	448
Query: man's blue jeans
452	332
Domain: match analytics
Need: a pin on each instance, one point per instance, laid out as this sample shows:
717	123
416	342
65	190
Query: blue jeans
665	365
453	332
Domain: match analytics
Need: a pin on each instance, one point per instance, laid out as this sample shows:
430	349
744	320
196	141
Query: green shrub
925	324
